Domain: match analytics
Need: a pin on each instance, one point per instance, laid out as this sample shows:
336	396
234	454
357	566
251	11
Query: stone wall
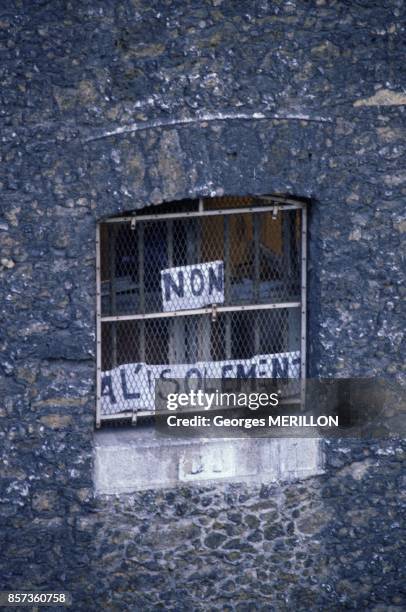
328	543
109	106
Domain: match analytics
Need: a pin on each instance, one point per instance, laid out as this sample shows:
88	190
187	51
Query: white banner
192	286
132	386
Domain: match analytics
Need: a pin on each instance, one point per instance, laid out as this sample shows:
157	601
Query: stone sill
138	458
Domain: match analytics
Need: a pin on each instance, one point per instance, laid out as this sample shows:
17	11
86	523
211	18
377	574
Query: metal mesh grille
163	276
260	255
258	343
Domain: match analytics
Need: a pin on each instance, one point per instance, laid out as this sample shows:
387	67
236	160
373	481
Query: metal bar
204	213
187	330
113	302
191	242
281	199
176	343
227	265
205	345
227	284
141	289
199	311
256	236
126	414
257	338
228	335
303	322
198	240
287	249
170	244
98	328
203	336
256	240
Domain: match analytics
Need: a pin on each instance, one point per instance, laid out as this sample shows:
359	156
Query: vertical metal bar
227	262
293	332
203	351
287	250
98	329
169	227
257	338
198	227
191	243
257	243
227	285
187	328
292	261
141	290
303	325
113	296
176	347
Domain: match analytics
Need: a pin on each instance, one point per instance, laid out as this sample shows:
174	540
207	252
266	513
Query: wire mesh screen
208	295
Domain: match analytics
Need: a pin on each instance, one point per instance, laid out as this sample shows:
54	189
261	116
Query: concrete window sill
138	458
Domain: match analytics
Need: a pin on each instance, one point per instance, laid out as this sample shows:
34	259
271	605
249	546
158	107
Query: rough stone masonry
107	106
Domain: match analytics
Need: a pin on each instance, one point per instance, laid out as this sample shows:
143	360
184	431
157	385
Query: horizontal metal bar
281	199
127	414
204	213
200	311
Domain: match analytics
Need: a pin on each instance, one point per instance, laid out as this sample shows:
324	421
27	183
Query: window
195	290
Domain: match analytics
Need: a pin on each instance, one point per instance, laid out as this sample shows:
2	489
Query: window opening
211	289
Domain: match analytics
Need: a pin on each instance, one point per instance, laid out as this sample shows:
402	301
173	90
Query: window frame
270	204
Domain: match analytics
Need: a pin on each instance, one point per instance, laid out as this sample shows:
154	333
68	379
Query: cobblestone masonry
107	106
